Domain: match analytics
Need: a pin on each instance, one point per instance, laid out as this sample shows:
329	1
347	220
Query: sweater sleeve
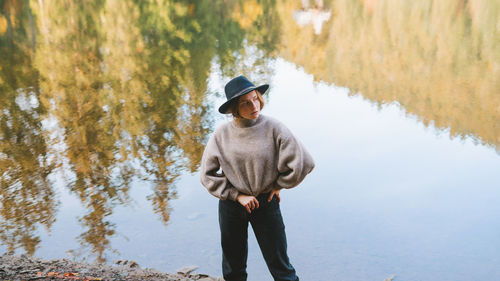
216	183
294	161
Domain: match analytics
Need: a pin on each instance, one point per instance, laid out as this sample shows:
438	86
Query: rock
47	270
133	264
187	269
207	279
128	263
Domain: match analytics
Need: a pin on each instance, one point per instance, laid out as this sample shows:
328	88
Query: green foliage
122	82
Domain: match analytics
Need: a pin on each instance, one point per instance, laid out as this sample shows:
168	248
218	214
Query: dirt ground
23	267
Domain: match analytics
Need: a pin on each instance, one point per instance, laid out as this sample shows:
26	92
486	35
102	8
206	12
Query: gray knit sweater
253	159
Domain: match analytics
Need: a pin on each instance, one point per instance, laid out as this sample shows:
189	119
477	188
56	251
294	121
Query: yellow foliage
438	59
3	25
249	14
181	9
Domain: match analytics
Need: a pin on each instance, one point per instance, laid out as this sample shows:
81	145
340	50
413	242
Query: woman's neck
243	122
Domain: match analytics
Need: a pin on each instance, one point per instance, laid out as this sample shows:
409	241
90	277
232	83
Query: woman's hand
249	202
274	192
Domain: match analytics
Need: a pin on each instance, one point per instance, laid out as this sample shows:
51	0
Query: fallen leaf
39	274
70	274
50	274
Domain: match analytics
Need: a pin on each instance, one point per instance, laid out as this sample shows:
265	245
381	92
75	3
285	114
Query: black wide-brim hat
238	87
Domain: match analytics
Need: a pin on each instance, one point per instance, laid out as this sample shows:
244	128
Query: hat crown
236	86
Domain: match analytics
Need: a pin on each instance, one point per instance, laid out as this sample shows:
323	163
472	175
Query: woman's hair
233	107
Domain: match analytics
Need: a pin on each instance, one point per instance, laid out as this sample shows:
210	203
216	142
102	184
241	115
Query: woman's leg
267	224
233	223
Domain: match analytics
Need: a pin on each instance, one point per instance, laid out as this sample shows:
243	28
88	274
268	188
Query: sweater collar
245	123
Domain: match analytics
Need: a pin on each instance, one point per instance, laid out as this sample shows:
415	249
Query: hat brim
225	106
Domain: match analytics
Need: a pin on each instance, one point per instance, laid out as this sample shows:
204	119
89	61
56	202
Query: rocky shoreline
23	267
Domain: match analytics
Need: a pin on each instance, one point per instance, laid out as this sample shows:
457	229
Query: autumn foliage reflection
439	60
26	195
109	92
120	91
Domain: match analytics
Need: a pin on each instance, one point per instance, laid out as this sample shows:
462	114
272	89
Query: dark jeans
269	230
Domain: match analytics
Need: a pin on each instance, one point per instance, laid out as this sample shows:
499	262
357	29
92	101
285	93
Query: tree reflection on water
123	85
107	92
439	60
27	197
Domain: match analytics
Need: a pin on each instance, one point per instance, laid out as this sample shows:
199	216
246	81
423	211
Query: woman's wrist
233	194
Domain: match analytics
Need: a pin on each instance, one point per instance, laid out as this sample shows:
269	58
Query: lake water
105	110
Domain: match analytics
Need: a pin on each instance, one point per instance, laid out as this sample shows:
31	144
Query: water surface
105	108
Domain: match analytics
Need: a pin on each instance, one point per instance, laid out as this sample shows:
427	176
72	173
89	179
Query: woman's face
249	105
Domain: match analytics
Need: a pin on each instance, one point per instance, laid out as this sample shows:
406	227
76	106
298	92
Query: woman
257	156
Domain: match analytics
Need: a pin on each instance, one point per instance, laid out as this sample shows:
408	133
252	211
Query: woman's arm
216	183
294	161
